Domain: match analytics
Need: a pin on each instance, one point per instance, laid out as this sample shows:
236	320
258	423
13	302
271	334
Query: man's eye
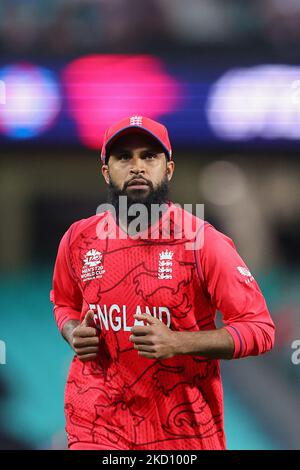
124	156
150	155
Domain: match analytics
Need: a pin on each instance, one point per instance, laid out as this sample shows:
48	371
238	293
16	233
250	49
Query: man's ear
105	173
170	169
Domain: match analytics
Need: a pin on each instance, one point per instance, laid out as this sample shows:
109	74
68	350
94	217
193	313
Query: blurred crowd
78	26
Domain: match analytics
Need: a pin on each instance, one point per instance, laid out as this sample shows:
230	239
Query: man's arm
249	329
235	293
157	341
215	344
67	299
65	295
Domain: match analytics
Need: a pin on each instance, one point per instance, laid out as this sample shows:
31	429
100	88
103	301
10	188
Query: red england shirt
124	399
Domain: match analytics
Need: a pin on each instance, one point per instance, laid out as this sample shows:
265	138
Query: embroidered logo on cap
136	121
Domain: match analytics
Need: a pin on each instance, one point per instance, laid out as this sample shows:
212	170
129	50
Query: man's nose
137	166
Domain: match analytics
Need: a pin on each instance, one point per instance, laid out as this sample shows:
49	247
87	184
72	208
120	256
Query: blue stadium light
33	100
256	102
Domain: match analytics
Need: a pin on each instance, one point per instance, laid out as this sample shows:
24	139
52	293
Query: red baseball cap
139	124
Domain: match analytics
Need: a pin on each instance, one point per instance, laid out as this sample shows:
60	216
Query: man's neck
141	222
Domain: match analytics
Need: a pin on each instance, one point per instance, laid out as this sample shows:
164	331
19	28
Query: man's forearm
215	344
67	331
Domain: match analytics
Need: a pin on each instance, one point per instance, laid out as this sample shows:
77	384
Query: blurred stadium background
225	78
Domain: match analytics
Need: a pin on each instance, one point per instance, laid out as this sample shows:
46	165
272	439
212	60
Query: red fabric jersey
125	400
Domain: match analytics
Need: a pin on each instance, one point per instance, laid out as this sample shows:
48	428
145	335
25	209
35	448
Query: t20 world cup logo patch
92	266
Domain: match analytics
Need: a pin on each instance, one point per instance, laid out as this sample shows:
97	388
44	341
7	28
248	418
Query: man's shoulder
213	232
190	221
214	240
203	229
85	226
185	210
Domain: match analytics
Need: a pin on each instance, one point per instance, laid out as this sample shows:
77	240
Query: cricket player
137	300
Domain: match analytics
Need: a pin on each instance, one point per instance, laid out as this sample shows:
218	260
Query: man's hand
84	340
155	340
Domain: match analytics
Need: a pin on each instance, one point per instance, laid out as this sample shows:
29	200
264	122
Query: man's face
137	166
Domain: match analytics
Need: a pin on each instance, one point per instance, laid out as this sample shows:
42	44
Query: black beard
159	195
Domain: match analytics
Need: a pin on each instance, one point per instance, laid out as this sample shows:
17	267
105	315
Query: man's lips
137	183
